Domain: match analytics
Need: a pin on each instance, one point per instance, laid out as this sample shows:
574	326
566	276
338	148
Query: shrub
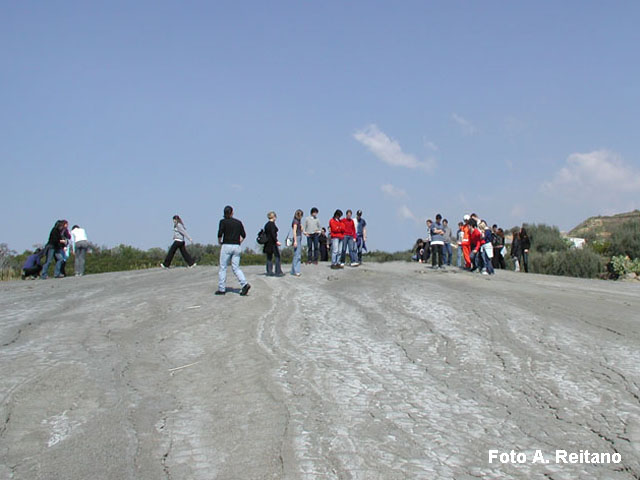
621	265
546	239
625	240
571	263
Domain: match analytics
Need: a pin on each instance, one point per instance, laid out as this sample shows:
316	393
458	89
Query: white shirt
77	235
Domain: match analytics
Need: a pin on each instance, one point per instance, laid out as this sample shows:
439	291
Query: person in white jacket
179	236
79	247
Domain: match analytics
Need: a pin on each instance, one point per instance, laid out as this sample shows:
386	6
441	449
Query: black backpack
262	237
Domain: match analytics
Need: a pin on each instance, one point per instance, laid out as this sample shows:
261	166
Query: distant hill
600	228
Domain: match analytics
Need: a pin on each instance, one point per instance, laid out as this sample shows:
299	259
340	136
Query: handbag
289	240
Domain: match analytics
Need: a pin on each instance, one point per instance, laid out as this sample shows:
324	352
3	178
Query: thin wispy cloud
392	191
431	145
467	127
406	213
389	150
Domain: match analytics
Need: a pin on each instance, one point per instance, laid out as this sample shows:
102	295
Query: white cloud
600	173
393	191
389	151
406	213
431	145
467	127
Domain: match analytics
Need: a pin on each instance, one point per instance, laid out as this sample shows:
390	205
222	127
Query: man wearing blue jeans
230	235
312	231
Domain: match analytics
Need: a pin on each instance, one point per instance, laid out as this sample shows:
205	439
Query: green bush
575	262
545	238
621	265
625	240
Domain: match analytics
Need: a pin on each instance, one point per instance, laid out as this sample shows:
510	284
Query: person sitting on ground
418	251
32	267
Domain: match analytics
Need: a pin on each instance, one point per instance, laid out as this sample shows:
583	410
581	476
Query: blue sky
117	115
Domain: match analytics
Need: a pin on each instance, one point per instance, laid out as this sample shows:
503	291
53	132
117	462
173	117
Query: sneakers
163	265
220	292
245	290
296	274
194	264
355	264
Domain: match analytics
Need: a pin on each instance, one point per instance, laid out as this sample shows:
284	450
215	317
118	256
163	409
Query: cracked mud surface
387	371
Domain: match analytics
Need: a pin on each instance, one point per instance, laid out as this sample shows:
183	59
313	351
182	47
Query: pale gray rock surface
389	371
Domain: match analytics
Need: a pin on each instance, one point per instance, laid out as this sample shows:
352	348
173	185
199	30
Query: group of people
59	247
480	247
346	236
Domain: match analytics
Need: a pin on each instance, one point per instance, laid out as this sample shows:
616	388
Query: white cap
466	217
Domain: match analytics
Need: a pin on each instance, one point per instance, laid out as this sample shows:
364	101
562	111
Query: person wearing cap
361	234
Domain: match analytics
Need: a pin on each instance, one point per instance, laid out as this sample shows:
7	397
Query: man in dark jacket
57	242
230	235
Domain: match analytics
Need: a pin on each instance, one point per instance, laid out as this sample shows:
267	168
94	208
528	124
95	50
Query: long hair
178	219
298	215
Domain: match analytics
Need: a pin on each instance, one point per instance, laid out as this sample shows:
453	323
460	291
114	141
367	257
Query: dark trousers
172	251
324	252
436	255
313	242
32	272
270	256
498	259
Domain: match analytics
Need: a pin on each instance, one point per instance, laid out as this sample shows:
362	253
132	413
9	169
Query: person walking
271	247
55	247
79	247
179	235
311	230
361	234
296	228
525	245
230	236
336	230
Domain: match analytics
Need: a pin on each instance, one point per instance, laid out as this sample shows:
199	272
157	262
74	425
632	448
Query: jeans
230	253
177	244
313	243
525	261
447	253
487	262
297	257
270	256
81	248
336	250
459	257
59	256
349	242
359	245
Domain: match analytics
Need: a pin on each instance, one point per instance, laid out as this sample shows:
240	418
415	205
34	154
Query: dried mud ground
387	371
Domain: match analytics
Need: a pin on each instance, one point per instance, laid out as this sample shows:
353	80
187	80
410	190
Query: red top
465	233
337	228
349	227
477	239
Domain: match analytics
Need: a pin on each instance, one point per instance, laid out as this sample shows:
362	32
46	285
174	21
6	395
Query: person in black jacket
323	240
55	249
525	245
271	247
515	250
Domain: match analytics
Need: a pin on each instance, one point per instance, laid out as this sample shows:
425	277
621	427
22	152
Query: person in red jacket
336	230
476	240
349	240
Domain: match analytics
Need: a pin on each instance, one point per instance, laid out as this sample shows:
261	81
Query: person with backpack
271	245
